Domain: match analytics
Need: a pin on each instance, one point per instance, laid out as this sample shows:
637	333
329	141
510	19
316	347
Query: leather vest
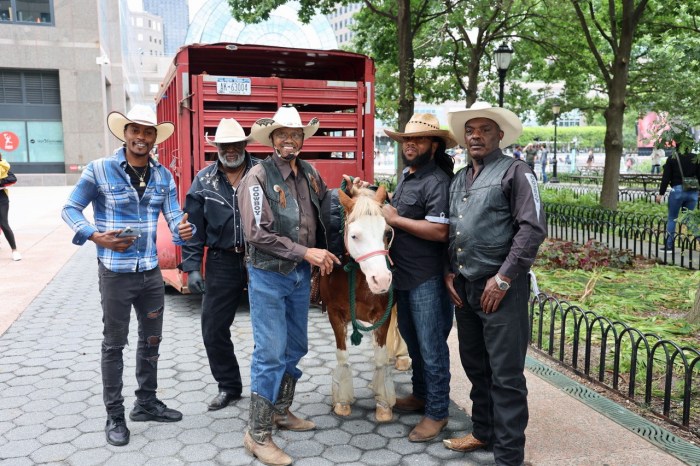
286	218
481	223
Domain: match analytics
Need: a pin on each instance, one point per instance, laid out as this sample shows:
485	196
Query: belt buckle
238	249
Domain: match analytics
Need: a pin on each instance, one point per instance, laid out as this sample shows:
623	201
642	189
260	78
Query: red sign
9	141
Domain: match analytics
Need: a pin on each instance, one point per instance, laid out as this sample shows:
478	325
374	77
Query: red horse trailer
209	82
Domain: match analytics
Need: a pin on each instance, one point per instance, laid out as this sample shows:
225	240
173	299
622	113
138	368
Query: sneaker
116	431
666	250
16	256
154	411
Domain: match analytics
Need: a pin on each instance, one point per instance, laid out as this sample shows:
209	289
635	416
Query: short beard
235	164
288	158
419	161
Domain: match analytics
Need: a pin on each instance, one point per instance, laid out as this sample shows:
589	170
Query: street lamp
502	57
555	110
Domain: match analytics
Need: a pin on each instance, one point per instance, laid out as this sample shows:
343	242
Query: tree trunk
406	70
694	314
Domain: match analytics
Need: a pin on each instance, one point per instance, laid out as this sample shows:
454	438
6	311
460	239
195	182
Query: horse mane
365	205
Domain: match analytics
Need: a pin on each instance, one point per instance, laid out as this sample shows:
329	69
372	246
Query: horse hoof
342	410
403	363
383	414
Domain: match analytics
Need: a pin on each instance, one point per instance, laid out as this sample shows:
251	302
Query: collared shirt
116	205
423	195
519	185
212	206
262	233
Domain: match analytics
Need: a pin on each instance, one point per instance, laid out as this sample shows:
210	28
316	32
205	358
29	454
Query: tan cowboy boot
258	439
427	429
464	444
283	417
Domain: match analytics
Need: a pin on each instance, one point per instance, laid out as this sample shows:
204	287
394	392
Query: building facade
341	21
175	17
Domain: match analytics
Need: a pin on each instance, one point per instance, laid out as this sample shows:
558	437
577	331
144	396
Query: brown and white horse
365	243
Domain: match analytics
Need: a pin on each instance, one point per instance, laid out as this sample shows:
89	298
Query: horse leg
341	389
382	382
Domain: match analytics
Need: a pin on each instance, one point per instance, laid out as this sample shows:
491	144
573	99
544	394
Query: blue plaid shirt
116	205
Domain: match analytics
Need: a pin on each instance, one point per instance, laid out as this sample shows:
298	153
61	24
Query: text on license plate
233	86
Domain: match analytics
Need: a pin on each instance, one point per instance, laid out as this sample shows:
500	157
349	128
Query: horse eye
353	236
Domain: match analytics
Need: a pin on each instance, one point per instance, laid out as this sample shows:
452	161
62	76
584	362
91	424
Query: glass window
45	141
33	11
5	10
139	22
13	141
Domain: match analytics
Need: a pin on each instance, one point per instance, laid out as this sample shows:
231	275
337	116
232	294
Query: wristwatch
502	284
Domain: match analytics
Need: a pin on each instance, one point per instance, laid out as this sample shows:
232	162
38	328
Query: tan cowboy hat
228	131
141	115
508	121
423	124
286	117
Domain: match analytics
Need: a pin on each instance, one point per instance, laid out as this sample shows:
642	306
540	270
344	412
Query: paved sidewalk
50	391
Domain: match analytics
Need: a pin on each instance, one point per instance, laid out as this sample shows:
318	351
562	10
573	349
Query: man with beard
212	207
419	215
497	223
280	201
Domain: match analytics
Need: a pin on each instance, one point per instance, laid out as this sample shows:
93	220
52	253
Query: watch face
503	286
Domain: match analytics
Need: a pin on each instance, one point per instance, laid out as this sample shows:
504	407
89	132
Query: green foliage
586	136
673	131
568	197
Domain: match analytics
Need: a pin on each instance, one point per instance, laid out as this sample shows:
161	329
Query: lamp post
502	57
555	110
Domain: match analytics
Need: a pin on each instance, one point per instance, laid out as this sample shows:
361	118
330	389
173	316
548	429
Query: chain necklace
140	175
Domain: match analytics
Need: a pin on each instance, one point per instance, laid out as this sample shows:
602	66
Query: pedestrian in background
7	179
212	206
497	224
418	213
128	191
656	156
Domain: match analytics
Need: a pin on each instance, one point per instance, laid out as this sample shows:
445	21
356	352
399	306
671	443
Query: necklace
140	175
236	178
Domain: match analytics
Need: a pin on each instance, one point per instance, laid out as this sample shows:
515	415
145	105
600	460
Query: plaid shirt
116	205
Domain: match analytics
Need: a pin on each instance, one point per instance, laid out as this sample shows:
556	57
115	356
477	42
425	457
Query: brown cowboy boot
283	417
258	439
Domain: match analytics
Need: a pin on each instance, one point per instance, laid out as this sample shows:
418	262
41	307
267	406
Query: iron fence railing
624	194
639	233
653	372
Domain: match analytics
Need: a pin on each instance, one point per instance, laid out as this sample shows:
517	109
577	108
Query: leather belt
235	250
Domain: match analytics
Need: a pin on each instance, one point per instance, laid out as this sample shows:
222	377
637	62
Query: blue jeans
677	199
279	313
425	316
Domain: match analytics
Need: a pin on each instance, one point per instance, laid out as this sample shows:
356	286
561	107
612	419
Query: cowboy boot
258	439
283	417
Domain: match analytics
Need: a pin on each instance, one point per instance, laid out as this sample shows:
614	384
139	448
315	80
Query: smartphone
128	231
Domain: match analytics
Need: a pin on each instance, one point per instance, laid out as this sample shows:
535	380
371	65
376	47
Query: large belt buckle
238	249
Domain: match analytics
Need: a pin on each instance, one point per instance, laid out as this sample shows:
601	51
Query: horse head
365	233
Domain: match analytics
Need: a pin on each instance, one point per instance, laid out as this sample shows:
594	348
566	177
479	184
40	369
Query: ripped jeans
119	291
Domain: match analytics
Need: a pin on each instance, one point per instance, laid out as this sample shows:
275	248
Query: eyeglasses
296	135
232	145
417	139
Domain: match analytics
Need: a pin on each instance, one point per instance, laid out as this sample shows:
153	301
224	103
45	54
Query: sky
195	5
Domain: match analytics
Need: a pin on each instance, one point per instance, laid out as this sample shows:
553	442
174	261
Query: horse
365	238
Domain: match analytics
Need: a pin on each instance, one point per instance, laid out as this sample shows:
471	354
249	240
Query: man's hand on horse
322	258
354	184
390	214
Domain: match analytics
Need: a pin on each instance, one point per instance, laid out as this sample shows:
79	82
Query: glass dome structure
213	23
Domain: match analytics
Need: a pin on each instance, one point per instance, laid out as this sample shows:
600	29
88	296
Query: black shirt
672	174
423	195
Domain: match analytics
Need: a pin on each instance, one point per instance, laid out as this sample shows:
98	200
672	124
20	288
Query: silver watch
502	284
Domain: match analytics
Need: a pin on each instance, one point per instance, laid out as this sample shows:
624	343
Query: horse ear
380	195
346	201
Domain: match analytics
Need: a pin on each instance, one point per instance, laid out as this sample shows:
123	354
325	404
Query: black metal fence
655	373
624	194
639	233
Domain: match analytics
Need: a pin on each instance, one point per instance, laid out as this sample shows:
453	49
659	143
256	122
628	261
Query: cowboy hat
286	117
423	124
505	119
228	131
141	115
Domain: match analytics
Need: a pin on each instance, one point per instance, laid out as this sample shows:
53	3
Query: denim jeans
678	199
492	348
425	316
119	291
279	313
225	280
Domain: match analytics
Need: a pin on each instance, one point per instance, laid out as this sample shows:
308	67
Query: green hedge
586	136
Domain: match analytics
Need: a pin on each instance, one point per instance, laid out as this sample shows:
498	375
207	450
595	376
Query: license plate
233	86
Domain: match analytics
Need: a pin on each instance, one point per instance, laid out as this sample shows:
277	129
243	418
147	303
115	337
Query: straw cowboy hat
423	124
141	115
508	121
228	131
286	117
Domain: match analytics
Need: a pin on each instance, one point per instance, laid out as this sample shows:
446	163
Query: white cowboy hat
508	121
423	124
141	115
228	131
286	117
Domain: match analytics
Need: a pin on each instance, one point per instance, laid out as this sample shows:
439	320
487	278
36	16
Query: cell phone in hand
129	232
